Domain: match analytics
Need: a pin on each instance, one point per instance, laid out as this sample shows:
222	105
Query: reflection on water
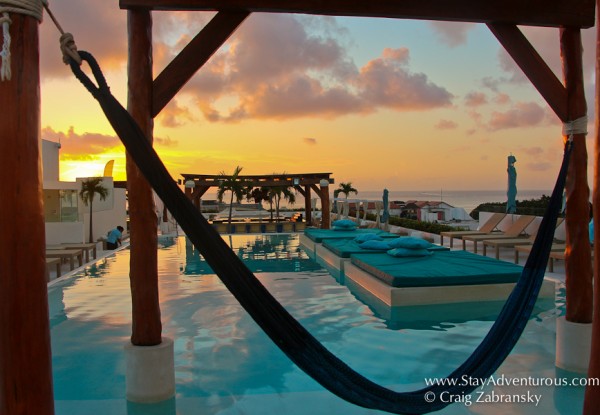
261	253
225	364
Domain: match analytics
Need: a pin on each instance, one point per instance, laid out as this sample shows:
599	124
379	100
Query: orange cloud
475	99
452	33
523	114
275	69
446	125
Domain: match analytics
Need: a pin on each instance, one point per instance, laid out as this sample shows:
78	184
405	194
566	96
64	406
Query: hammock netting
283	329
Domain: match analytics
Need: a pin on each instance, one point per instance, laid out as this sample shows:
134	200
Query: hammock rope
286	332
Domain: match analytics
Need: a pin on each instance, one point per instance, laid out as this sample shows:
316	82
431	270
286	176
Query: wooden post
325	210
578	260
307	206
146	329
25	357
592	393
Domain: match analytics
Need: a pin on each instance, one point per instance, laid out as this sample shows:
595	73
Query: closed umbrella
511	202
386	209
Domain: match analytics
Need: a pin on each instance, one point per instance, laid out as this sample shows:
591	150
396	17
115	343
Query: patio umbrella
511	203
386	208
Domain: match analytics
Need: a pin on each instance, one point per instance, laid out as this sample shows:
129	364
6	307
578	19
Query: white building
67	218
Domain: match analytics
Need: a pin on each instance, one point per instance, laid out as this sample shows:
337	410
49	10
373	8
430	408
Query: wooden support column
307	206
592	393
146	328
578	261
25	357
325	210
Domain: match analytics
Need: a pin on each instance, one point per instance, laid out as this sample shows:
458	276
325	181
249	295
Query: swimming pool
224	363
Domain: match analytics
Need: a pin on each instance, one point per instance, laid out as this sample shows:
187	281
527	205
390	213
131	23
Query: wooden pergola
196	185
25	368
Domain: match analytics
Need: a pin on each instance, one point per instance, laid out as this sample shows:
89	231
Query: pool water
225	365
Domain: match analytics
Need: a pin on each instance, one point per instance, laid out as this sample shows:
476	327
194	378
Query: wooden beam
576	13
25	358
193	56
534	67
301	190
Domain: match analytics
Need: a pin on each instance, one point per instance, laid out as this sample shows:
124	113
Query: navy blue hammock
286	332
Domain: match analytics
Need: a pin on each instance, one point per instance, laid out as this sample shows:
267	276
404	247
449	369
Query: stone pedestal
150	372
573	345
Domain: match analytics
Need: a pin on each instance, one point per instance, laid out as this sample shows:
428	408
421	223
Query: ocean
467	199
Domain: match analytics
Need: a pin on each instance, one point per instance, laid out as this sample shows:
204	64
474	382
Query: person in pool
114	238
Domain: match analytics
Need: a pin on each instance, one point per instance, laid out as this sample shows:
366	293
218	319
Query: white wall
64	232
50	160
106	220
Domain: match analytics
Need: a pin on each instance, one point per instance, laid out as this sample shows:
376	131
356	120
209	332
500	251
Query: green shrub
534	207
418	225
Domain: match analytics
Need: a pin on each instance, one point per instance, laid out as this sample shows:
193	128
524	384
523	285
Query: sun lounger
560	255
69	254
86	247
511	242
514	231
443	277
53	262
527	249
488	227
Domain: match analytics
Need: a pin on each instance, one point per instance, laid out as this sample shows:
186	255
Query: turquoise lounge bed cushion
318	235
346	247
405	252
443	268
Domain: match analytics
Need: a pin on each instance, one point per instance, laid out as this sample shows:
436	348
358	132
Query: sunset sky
406	105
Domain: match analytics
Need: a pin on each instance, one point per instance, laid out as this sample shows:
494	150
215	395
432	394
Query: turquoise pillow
341	228
375	245
404	252
409	242
344	223
367	237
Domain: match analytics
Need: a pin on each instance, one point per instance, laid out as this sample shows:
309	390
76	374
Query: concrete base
150	372
573	345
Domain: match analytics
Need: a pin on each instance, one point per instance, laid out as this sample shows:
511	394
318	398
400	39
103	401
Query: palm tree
89	188
259	195
345	188
233	184
278	192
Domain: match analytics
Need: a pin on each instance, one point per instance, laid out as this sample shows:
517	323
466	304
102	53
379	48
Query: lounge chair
557	247
514	231
488	227
511	242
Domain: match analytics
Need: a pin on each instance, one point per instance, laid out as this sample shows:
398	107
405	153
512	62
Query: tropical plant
276	193
345	188
231	183
89	188
259	195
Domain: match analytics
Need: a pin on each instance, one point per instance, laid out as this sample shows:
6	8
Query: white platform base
573	345
308	245
330	258
150	372
393	296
